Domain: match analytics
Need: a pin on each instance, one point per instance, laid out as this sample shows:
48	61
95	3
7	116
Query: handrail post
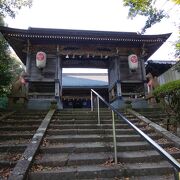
98	111
92	108
176	174
114	138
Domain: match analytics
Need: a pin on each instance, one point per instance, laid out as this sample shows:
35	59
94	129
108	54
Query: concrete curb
21	169
157	128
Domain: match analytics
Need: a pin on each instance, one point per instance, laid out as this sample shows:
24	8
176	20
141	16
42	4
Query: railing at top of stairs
167	156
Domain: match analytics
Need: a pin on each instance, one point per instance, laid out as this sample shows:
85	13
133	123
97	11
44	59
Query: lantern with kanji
133	61
41	59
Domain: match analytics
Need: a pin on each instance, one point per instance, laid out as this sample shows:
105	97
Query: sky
107	15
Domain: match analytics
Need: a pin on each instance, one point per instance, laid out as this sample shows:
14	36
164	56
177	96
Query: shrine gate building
46	51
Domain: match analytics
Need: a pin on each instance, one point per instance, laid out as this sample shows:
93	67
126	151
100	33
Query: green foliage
145	8
154	17
5	75
169	95
10	7
176	1
168	88
8	66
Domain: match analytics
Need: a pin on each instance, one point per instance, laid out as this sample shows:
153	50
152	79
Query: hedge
168	88
169	96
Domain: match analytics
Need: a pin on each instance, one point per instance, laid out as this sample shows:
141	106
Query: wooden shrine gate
46	51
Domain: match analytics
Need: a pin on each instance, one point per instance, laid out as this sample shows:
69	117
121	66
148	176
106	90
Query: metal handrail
157	147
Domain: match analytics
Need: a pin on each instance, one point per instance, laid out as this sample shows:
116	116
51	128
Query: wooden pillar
58	79
114	79
60	74
28	58
57	75
118	75
143	72
119	92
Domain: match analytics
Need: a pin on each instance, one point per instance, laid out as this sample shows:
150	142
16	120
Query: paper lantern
133	61
41	59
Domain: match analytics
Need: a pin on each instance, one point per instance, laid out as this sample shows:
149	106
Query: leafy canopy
148	9
10	7
145	8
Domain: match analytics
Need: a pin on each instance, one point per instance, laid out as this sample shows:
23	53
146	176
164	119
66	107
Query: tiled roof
18	39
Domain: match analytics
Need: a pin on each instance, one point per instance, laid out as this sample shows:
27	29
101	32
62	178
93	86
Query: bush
169	96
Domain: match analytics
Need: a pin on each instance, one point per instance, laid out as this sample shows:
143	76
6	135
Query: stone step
18	128
95	138
7	164
8	132
14	116
92	131
89	147
88	121
84	121
12	147
30	113
81	110
15	136
101	171
163	177
20	122
81	116
72	159
79	159
97	147
91	126
141	156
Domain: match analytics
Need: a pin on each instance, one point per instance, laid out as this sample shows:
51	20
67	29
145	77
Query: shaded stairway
16	131
75	147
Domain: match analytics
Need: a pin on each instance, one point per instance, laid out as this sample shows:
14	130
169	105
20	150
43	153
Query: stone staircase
158	116
16	131
75	147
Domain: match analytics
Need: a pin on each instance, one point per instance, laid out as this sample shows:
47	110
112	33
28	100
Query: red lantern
133	61
41	59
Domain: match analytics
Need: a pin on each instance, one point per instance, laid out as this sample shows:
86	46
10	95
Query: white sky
108	15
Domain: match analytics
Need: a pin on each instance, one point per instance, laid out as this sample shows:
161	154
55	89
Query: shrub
169	96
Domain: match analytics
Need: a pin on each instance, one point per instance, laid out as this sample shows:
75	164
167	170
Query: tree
10	7
7	63
5	77
169	97
148	9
